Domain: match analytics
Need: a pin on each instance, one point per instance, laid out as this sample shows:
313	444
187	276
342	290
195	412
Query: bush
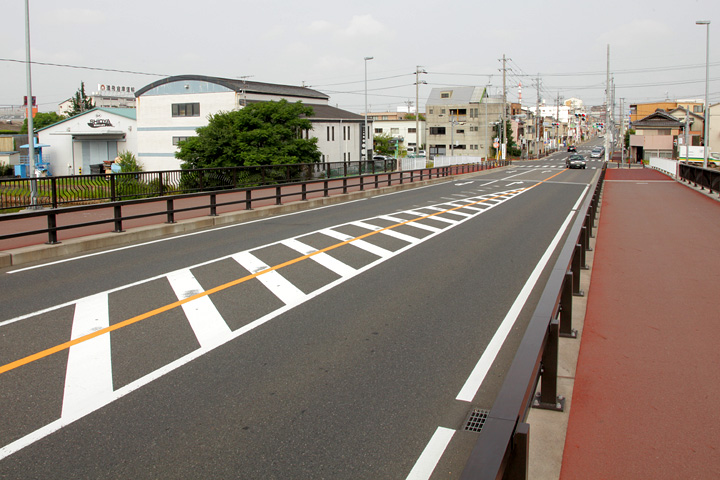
128	162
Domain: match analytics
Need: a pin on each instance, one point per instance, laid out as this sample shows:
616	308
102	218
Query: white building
88	139
403	130
106	96
171	109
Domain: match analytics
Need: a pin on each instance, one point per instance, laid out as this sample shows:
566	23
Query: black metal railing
53	192
244	197
700	177
502	447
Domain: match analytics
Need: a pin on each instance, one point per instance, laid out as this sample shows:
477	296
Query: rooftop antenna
244	79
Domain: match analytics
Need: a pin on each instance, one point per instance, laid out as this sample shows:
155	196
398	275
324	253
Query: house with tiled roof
655	135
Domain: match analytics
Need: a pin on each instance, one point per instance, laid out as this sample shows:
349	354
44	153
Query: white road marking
477	376
429	458
273	281
322	258
208	325
419	225
388	232
362	244
88	377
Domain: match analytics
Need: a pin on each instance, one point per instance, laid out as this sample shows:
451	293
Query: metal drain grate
476	420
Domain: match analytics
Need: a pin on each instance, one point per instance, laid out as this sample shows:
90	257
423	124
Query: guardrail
700	177
501	450
212	200
53	192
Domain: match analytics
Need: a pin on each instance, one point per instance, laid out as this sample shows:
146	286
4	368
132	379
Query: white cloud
365	25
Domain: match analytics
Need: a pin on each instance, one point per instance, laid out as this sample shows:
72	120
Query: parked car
571	148
575	161
597	152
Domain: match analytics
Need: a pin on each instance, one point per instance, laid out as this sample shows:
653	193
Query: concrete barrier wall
664	164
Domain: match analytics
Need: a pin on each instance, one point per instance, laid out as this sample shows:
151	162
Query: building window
431	111
394	131
437	130
445	94
177	140
378	130
442	111
328	134
460	130
412	130
697	108
185	109
333	134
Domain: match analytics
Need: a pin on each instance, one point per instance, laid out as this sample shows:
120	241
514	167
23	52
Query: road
350	341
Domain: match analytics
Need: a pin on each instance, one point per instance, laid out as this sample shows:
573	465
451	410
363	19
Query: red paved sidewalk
646	393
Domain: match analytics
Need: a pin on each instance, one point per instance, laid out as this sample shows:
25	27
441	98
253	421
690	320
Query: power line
100	69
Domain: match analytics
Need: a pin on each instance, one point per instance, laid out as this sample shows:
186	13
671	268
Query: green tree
80	102
384	144
42	120
512	149
265	133
411	116
128	162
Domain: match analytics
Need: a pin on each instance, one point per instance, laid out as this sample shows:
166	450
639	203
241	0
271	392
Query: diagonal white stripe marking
327	261
430	457
207	323
273	281
362	244
88	379
419	225
389	232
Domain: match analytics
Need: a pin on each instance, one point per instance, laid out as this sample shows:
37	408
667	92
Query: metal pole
31	136
607	107
503	133
366	135
486	122
706	133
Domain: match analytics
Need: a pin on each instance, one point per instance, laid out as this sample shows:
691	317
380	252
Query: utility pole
418	71
537	118
607	106
31	135
557	120
622	131
486	120
503	134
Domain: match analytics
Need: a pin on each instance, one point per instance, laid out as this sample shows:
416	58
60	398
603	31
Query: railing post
278	195
585	245
566	310
304	191
117	216
213	205
53	186
170	210
326	188
548	399
519	461
52	228
161	187
576	267
248	199
113	188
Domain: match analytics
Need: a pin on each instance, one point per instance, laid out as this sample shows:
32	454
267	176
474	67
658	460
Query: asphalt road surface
350	341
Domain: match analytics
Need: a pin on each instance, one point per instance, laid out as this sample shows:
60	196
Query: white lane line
207	323
477	376
388	232
88	378
430	457
419	225
454	212
362	244
273	281
323	258
469	207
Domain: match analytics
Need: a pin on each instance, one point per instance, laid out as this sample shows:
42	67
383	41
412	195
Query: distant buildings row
457	120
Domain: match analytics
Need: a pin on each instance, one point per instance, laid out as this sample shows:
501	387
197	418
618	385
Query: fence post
53	185
248	199
576	270
326	185
519	461
117	216
566	310
213	205
304	191
585	246
547	398
161	187
170	210
52	228
113	188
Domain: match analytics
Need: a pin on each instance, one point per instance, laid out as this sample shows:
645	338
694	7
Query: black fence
700	177
242	198
53	192
502	449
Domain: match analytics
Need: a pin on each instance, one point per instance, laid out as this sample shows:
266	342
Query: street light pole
706	134
31	135
366	135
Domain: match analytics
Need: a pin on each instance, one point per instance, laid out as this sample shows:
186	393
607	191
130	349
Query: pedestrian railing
53	192
502	447
236	198
700	177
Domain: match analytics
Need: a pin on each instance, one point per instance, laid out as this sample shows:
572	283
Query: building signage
106	89
99	122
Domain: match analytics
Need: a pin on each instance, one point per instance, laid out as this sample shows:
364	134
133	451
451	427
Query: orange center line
144	316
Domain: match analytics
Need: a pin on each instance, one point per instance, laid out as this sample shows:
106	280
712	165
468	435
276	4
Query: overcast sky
656	50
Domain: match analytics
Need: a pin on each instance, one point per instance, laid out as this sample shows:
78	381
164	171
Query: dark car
571	148
575	161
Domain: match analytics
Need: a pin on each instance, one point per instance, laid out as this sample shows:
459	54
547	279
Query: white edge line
429	458
477	376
